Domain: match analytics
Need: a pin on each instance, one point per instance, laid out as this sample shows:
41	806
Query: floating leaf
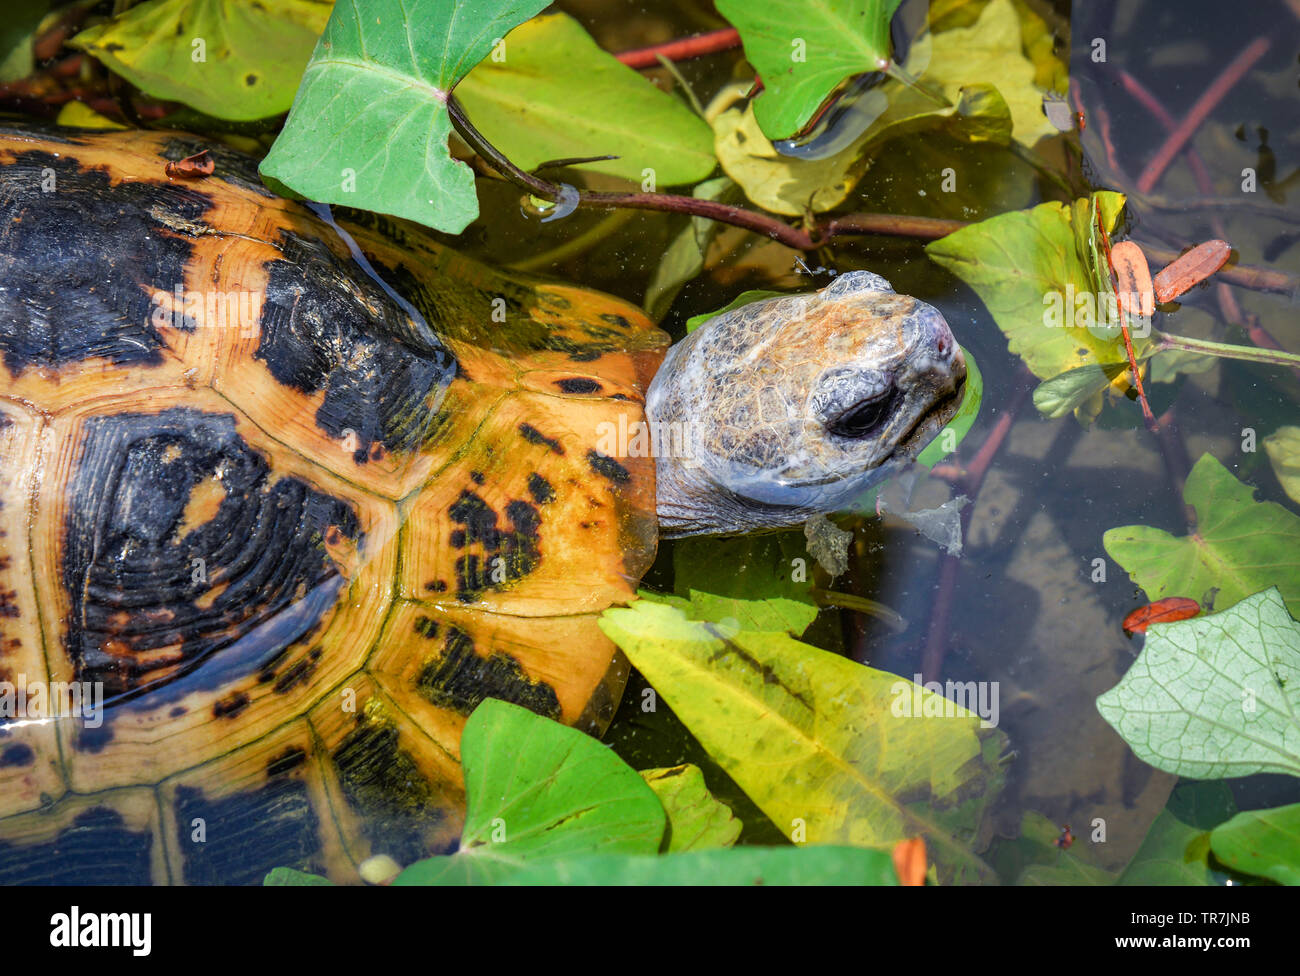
1215	696
228	59
760	582
1240	546
537	789
1164	611
369	125
825	747
792	186
1283	447
696	821
803	51
1265	843
550	92
820	865
990	51
1203	804
1039	273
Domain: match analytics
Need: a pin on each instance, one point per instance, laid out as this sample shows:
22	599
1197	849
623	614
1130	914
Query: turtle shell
293	496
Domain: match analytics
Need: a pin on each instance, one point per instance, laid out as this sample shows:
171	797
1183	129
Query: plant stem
680	50
852	601
926	228
1251	354
1230	75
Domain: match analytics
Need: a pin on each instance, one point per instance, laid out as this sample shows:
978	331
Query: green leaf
755	582
1031	268
288	877
990	51
229	59
1265	843
369	125
1215	696
803	50
1283	447
825	747
550	92
1239	547
1072	389
1034	859
696	821
537	789
812	865
1203	804
16	35
1173	853
793	186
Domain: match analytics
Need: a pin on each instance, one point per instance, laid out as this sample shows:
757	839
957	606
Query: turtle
285	494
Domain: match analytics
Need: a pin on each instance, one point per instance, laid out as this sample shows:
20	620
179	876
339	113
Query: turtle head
793	406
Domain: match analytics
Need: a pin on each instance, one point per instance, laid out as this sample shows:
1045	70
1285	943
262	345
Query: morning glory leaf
369	126
1217	695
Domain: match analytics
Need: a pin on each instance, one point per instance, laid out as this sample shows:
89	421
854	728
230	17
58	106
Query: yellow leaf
829	749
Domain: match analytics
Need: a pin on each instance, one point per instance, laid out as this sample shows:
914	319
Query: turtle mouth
929	424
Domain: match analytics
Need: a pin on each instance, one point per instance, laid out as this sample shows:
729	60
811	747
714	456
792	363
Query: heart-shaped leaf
535	105
1215	696
1041	275
369	125
537	789
803	50
1239	547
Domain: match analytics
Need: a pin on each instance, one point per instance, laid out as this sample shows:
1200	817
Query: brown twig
927	228
682	49
1230	75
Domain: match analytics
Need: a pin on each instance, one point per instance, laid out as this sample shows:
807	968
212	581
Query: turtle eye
863	418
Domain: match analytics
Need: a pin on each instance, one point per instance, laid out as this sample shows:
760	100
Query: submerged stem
1251	354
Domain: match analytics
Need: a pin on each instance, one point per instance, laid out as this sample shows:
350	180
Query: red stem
681	50
1230	75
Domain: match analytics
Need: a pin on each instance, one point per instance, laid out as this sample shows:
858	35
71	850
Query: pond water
1021	608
